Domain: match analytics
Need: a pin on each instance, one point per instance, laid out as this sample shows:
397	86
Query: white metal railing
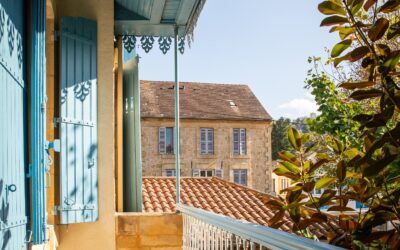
207	230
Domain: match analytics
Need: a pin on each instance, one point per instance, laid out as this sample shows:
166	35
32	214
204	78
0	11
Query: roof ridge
186	82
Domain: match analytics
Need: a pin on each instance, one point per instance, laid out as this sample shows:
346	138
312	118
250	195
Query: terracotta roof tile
201	101
216	195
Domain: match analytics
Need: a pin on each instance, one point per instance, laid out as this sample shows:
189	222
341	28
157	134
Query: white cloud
298	107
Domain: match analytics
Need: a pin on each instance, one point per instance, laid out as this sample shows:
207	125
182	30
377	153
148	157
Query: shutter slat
78	103
236	147
162	140
196	172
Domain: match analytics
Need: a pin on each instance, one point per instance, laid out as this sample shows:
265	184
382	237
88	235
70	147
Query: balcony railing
207	230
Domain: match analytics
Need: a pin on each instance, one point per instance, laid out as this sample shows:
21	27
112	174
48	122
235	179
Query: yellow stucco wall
148	231
100	234
257	161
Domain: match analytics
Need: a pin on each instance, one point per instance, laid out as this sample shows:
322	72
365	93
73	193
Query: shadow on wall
4	211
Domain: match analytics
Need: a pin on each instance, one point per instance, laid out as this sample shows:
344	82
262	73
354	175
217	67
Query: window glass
240	176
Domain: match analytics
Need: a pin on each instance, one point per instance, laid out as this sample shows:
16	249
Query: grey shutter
196	172
236	140
161	140
78	121
203	141
242	141
219	173
243	177
210	141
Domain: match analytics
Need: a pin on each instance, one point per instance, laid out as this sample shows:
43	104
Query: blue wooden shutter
78	121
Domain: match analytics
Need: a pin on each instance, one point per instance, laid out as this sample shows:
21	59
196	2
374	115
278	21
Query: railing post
177	129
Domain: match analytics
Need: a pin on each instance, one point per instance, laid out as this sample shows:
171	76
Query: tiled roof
216	195
201	101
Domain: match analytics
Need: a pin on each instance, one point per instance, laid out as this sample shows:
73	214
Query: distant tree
301	124
279	136
335	109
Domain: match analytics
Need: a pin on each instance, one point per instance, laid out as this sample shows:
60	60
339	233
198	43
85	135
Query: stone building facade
220	108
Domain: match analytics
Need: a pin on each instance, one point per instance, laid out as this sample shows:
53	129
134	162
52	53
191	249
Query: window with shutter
207	141
219	173
161	140
240	176
166	140
78	121
196	172
239	141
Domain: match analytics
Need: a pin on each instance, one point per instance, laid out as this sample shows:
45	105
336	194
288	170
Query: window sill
240	156
167	156
206	156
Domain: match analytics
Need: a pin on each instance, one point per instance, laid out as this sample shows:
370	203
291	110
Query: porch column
177	136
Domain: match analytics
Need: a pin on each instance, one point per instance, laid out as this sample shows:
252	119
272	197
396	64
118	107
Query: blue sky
262	43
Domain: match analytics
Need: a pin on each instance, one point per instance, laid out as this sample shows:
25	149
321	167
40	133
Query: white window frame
207	173
239	141
162	141
169	172
206	141
240	173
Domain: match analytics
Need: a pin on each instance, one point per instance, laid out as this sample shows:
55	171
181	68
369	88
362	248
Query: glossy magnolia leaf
358	53
352	153
305	138
377	166
326	197
294	138
340	47
383	48
317	165
392	60
333	20
330	8
340	209
309	186
393	31
274	204
365	94
345	32
356	6
293	168
390	6
287	156
336	145
379	28
319	217
368	4
324	182
356	85
341	170
276	219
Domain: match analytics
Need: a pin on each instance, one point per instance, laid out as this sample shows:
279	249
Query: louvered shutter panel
203	143
236	134
196	172
78	121
242	141
218	173
161	140
210	141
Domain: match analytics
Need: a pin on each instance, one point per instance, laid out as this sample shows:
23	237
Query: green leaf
340	47
276	219
333	20
341	170
326	197
379	28
392	60
305	138
358	53
365	94
368	4
383	48
377	166
324	182
356	6
329	8
336	145
291	167
309	186
356	85
390	6
294	138
393	31
287	156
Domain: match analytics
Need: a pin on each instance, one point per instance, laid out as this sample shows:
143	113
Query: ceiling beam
157	11
185	10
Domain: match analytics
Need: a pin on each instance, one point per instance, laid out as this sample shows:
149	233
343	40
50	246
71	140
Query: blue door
13	144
